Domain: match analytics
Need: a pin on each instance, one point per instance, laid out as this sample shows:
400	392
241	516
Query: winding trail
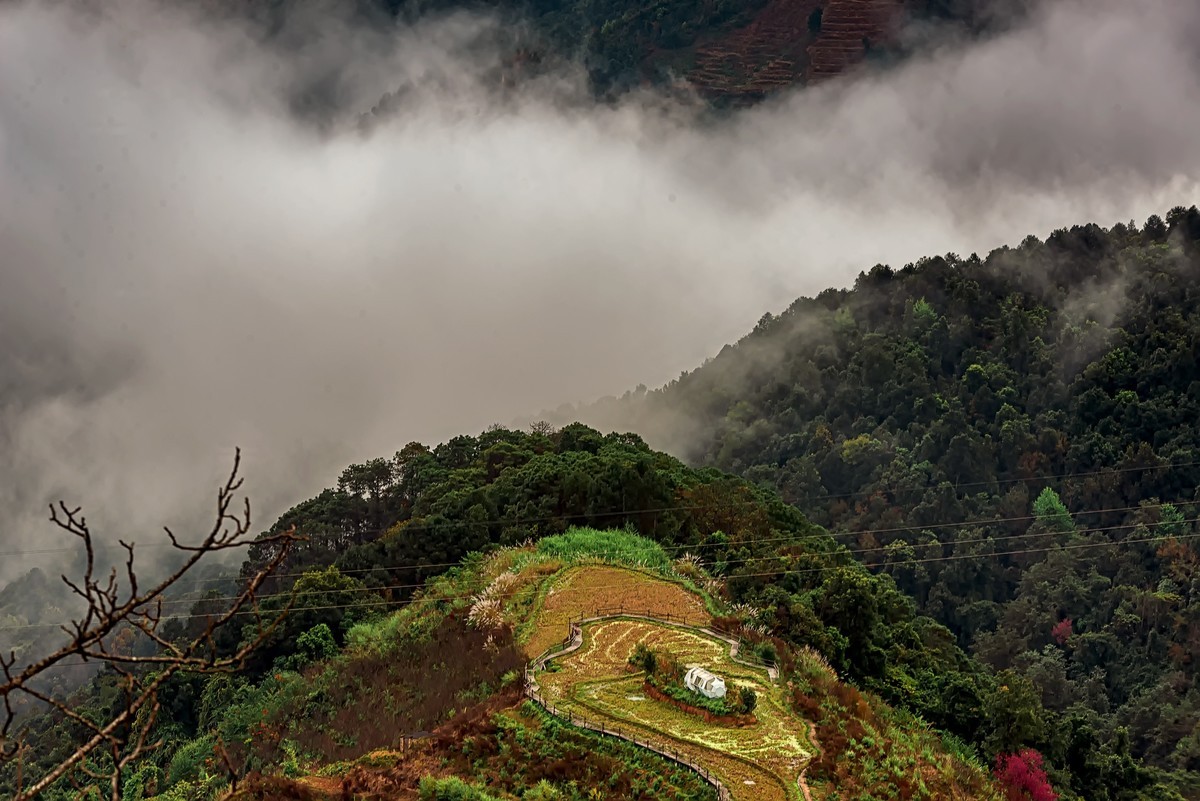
575	641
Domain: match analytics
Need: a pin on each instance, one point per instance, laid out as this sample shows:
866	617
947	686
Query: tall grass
451	788
961	750
617	545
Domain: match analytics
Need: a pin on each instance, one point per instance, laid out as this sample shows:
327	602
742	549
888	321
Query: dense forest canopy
1013	439
390	523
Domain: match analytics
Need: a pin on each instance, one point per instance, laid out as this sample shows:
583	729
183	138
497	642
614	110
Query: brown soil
382	697
777	49
509	761
842	716
426	757
766	55
591	590
256	787
847	27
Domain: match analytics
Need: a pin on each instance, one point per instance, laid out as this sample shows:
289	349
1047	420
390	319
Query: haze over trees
121	629
1011	439
955	504
390	523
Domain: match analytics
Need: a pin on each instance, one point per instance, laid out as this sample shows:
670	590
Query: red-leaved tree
1023	778
1062	631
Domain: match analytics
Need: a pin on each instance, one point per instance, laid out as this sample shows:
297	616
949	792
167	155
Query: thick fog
187	265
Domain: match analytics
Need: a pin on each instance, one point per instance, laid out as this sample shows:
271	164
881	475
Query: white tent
699	680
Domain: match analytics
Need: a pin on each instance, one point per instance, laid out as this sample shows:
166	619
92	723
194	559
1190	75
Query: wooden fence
735	651
531	690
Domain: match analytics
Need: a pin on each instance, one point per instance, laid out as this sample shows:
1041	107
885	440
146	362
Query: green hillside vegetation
397	663
1012	440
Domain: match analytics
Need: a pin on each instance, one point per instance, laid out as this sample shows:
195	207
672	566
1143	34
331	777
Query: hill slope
732	53
1013	440
447	657
525	590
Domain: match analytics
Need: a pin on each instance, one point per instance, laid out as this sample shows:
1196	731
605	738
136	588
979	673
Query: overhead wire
685	548
780	572
789	540
686	507
772	573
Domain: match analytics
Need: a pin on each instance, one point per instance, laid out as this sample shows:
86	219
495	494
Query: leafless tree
114	603
541	427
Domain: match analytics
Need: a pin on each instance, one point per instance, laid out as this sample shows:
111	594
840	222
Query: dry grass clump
690	566
487	607
814	660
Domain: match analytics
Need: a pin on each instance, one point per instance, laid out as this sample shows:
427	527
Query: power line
817	569
669	549
797	540
749	501
772	573
1006	481
788	540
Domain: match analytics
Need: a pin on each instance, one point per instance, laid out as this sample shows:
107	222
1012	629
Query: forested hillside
729	52
389	524
1014	440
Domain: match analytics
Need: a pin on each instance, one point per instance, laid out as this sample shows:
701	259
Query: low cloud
190	264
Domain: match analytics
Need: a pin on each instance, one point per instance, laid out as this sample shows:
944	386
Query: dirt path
803	780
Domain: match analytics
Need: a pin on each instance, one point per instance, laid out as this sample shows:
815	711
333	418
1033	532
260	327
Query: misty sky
185	266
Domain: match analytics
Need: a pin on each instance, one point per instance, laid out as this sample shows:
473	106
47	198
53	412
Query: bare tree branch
113	604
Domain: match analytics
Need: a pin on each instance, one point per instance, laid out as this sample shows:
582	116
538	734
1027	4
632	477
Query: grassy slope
593	681
874	748
337	724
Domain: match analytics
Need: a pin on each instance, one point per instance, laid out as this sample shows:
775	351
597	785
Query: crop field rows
759	762
583	591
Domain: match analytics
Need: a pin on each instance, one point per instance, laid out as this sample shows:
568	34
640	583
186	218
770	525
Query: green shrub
643	659
385	633
206	789
617	545
676	691
313	645
766	652
188	764
451	789
142	783
747	699
961	750
542	791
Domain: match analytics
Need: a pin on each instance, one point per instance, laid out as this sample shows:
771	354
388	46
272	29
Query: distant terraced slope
793	41
766	55
848	29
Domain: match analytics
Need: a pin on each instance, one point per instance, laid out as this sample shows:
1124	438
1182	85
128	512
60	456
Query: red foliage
1062	631
1023	778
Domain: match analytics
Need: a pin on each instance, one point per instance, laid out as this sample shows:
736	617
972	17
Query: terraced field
589	590
759	762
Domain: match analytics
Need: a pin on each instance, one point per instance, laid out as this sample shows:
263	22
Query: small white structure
699	680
